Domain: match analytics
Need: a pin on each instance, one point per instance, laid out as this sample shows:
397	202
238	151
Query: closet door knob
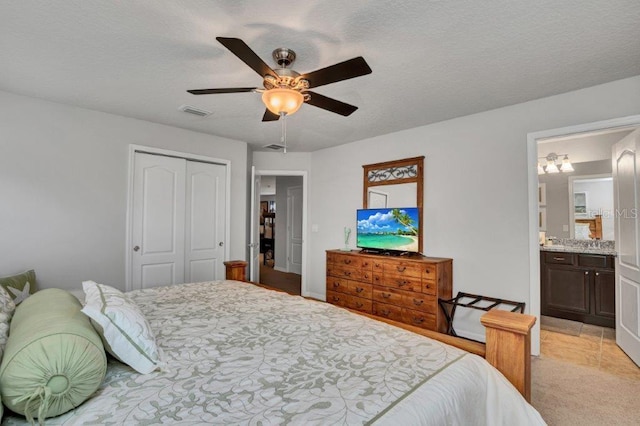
136	248
220	243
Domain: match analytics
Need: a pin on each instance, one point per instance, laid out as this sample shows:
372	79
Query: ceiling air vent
274	146
195	111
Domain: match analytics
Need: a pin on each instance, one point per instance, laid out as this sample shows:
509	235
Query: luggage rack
449	306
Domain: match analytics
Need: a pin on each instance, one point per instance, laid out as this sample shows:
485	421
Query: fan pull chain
283	139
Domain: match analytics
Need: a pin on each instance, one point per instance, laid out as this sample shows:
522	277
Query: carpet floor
567	394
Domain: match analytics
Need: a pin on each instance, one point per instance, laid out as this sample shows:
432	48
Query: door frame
305	197
133	149
534	246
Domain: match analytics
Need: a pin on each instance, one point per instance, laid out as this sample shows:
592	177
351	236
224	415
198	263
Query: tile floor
595	347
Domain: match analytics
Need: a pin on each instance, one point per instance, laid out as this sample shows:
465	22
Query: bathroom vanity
578	284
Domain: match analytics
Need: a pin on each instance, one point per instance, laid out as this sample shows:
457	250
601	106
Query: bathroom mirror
591	207
396	183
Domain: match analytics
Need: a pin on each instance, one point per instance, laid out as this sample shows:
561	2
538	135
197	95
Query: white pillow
7	307
125	332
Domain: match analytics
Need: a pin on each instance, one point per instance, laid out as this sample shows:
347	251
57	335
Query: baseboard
318	296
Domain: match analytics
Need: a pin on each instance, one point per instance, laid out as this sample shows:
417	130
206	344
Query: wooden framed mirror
398	183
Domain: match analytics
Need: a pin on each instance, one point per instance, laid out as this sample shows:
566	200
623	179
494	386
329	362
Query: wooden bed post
236	270
508	346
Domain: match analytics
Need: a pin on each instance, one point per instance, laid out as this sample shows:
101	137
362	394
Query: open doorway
279	217
573	248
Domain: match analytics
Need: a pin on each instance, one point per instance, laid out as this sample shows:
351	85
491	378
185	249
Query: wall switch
565	228
314	228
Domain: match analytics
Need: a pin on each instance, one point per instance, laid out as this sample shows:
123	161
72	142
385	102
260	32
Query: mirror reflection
592	208
400	195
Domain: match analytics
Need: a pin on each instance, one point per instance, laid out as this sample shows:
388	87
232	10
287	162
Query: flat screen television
388	229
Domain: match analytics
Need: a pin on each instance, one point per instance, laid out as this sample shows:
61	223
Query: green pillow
20	286
54	359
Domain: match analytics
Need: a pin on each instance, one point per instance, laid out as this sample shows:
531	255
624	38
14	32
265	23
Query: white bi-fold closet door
178	221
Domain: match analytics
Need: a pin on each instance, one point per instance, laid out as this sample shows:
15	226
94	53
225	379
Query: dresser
401	288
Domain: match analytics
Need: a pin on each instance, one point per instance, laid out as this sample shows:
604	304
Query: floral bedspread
240	354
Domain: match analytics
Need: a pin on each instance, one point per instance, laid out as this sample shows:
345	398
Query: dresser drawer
336	298
410	269
360	289
400	282
351	261
429	287
429	272
387	295
348	301
420	302
387	311
419	319
336	270
338	284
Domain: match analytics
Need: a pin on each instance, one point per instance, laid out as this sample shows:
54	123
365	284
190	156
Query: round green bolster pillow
54	359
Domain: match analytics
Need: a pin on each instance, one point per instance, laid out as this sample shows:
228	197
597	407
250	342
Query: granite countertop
587	250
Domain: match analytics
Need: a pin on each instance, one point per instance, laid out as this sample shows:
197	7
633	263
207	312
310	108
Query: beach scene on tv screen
388	229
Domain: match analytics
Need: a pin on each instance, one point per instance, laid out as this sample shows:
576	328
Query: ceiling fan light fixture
282	100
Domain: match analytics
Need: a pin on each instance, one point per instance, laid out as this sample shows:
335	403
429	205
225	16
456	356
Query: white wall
63	186
476	187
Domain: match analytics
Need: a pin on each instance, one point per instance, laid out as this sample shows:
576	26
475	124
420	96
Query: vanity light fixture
552	167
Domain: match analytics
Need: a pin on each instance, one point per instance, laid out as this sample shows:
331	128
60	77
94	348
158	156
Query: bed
236	353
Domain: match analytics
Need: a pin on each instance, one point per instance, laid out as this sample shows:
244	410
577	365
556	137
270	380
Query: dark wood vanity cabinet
578	286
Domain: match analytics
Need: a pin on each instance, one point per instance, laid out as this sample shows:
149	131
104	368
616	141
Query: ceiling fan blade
217	91
269	116
248	56
355	67
330	104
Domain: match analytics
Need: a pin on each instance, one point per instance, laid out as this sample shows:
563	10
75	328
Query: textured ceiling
431	60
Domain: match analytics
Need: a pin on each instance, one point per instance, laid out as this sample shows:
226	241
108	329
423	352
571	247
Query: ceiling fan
285	90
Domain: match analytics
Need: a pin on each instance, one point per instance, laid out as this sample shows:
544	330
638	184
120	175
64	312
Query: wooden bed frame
508	337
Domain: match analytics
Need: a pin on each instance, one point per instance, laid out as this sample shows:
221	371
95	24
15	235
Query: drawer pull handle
597	274
336	284
365	264
347	261
347	273
386	295
359	289
403	283
336	299
558	258
428	285
418	320
427	271
586	272
366	275
401	268
418	302
385	312
359	304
